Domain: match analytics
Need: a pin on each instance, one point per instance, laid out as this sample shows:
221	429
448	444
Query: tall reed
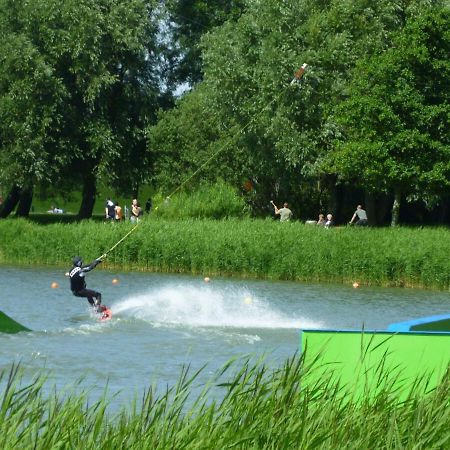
248	248
256	407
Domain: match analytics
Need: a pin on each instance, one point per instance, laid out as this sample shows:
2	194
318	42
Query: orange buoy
115	281
356	285
54	285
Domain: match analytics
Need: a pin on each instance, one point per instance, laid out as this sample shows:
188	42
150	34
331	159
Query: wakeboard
105	313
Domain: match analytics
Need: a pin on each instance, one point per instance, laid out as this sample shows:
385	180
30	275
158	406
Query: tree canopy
85	88
395	119
279	135
77	88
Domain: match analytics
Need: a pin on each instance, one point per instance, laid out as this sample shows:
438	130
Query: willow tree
77	88
184	22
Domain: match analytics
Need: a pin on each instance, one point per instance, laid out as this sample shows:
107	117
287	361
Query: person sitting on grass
321	220
361	215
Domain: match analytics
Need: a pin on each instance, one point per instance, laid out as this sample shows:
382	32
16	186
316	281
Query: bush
218	201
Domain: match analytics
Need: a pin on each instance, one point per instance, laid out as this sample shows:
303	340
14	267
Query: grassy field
258	409
246	248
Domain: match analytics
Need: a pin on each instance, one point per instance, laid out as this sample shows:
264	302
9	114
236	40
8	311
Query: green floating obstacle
367	362
8	325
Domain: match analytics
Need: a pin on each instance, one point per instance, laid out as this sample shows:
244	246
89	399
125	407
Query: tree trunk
88	197
26	197
396	209
11	201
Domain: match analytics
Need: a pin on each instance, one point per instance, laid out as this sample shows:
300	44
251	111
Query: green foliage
396	115
185	22
258	408
80	82
246	116
183	141
77	87
219	201
246	248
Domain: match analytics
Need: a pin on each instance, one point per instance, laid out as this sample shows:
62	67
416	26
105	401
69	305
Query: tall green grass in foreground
247	248
257	408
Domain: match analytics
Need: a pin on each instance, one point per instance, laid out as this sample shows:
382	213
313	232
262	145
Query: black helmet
77	261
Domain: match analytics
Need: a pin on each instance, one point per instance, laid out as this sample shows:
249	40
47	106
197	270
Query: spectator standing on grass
284	212
136	211
118	211
110	212
361	214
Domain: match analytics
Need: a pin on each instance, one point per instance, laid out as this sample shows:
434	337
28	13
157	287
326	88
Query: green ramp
367	363
8	325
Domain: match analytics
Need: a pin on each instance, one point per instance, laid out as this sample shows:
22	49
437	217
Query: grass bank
257	408
408	257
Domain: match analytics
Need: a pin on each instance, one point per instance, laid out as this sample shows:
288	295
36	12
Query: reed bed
409	257
257	408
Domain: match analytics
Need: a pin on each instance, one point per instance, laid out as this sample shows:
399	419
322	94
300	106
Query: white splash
206	306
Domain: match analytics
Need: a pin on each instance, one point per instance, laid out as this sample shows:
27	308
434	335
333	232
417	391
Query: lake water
162	322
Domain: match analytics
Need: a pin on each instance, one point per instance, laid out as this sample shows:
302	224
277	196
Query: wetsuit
78	283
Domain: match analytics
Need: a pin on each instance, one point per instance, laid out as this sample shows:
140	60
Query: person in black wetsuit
78	282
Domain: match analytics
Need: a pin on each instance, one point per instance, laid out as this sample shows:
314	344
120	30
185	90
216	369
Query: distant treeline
243	248
172	95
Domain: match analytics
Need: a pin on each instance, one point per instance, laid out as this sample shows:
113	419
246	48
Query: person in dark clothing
110	212
78	282
148	206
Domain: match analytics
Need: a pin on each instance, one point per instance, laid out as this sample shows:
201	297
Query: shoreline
244	249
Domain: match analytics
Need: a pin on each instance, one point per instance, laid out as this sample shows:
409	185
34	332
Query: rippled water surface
162	322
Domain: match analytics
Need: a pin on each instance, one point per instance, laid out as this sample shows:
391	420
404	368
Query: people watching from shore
136	211
285	213
110	213
321	220
361	214
329	222
55	210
